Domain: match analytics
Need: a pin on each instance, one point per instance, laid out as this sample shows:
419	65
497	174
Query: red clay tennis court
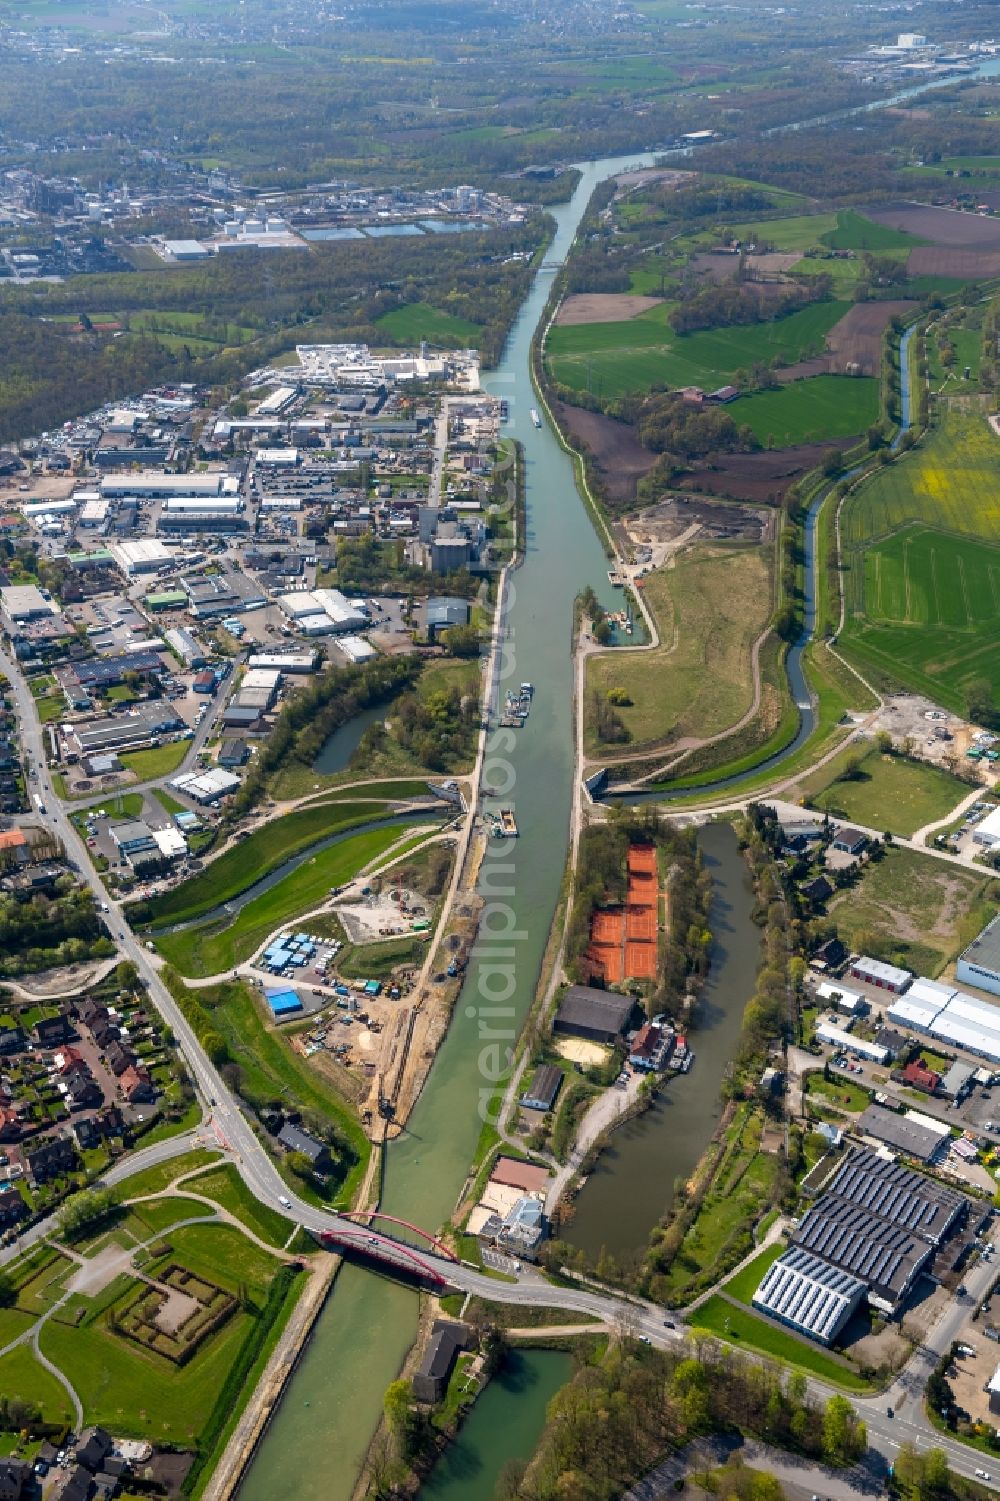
640	925
641	859
608	959
607	927
640	961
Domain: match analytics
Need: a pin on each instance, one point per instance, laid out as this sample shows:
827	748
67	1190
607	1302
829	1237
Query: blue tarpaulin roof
283	1002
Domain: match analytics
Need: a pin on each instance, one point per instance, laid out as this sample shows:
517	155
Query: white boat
535	417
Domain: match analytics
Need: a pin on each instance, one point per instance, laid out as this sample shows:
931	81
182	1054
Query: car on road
982	1474
285	1203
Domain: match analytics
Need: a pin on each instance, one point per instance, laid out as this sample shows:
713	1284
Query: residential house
294	1139
849	841
11	1039
93	1448
110	1122
50	1158
12	1207
919	1076
83	1092
430	1381
14	1477
120	1057
87	1134
50	1031
136	1085
70	1061
10	1124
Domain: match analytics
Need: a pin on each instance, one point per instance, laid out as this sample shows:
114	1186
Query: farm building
600	1015
876	972
980	963
808	1294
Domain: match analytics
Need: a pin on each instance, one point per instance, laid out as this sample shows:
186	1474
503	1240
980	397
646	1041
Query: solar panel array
898	1195
885	1256
809	1294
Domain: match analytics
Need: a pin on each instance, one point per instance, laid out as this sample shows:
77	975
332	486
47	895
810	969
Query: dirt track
603	307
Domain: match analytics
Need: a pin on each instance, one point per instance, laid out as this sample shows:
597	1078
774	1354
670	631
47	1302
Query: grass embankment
915	910
256	857
730	1322
224	1186
709	608
883	791
269	1067
921	545
213	948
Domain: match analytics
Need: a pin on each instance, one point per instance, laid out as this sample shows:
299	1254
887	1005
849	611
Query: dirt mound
604	307
614	445
759	477
942	226
933	260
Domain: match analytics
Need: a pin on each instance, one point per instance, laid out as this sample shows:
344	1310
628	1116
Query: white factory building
147	556
152	485
987	833
980	964
206	786
322	612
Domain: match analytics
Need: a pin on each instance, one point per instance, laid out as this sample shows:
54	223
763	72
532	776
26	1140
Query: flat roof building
836	1037
152	485
903	1135
877	972
205	786
979	965
145	556
21	602
886	1257
808	1294
969	1023
920	1005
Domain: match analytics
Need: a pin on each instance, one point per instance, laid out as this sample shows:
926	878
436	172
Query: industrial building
838	1038
951	1016
320	612
285	661
143	723
876	972
153	485
22	602
903	1134
920	1005
980	963
601	1015
187	647
206	786
808	1294
147	556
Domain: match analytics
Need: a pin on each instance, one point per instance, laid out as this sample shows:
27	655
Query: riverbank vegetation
621	1414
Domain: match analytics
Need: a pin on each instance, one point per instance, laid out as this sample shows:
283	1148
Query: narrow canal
322	1428
633	1183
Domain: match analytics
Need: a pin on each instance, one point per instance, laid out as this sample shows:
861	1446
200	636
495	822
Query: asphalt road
236	1135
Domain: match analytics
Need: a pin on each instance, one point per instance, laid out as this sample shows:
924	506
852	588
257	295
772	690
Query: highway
232	1131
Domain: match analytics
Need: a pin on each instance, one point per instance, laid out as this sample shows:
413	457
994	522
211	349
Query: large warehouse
809	1295
951	1016
980	964
600	1015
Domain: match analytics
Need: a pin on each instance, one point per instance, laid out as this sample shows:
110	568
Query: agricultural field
856	232
810	411
710	608
915	910
798	232
610	359
922	563
418	320
886	792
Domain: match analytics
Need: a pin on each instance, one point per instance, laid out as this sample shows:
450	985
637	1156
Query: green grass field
743	1286
418	320
797	232
915	910
922	563
157	761
122	1386
224	1185
710	608
211	950
746	1331
152	1179
890	792
855	232
23	1376
638	353
810	411
255	857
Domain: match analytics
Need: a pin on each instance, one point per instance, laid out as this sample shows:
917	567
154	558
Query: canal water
321	1431
633	1183
505	1423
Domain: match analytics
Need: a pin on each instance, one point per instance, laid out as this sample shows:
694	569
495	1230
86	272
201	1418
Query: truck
37	800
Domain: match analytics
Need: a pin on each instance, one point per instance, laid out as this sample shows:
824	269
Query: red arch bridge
391	1252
